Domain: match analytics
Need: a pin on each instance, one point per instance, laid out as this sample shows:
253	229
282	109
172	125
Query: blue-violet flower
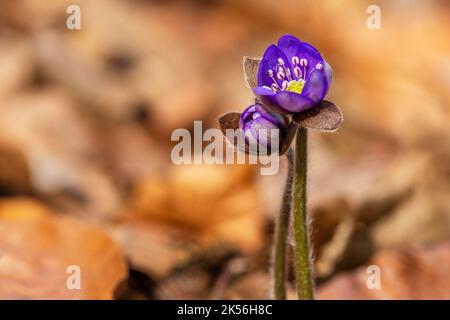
262	128
292	75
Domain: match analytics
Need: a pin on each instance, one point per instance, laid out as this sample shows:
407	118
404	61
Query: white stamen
274	87
280	62
298	72
295	60
303	62
280	75
284	85
256	116
288	73
270	73
319	66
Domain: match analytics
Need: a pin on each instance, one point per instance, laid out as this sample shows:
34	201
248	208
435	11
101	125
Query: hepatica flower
290	82
262	129
293	75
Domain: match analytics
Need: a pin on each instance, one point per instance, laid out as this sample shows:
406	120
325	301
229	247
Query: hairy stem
281	231
302	258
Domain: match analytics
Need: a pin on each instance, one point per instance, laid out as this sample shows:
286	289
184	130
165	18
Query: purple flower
293	75
262	128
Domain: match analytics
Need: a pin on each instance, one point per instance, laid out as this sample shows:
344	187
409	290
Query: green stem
280	240
302	258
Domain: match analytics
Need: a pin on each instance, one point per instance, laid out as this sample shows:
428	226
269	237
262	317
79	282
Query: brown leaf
215	203
420	273
48	119
141	242
287	141
14	172
229	121
324	116
251	71
37	248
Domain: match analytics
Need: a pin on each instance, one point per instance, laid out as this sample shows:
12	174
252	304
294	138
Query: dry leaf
287	141
14	172
214	203
61	149
324	116
142	242
415	274
229	121
37	248
251	71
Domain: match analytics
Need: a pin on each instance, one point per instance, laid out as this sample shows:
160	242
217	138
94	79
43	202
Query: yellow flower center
296	86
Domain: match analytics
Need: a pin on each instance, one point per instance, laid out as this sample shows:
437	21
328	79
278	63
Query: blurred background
86	177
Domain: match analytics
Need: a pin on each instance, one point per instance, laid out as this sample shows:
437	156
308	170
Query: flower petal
289	43
270	62
292	46
328	72
257	108
259	133
273	117
316	86
309	50
247	114
257	125
292	102
263	91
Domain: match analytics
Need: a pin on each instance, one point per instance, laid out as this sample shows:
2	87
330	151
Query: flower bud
263	131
